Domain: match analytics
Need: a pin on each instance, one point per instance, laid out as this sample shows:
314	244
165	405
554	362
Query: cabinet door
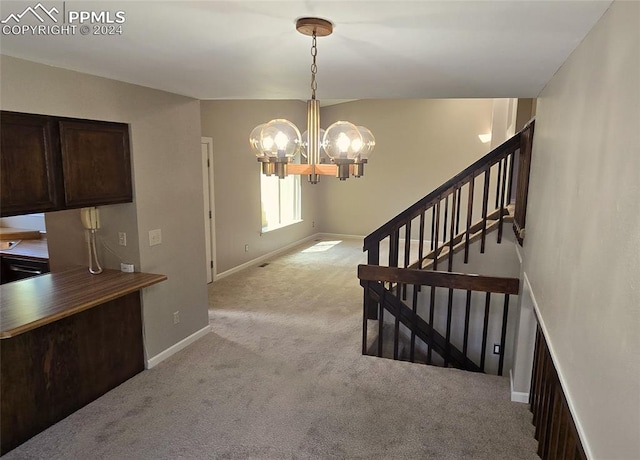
96	163
29	167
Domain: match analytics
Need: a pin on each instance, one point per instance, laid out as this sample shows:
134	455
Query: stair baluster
502	198
485	198
407	252
503	335
444	225
459	200
467	314
433	226
469	216
485	329
452	239
436	250
414	325
381	321
499	177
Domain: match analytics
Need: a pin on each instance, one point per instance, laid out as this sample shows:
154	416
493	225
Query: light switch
155	237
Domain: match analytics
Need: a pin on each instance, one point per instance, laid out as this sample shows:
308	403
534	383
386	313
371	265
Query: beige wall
165	139
503	124
401	171
237	180
582	249
420	143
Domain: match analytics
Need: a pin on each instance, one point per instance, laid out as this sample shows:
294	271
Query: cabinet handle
19	269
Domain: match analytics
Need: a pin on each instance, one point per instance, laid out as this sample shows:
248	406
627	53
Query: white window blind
281	203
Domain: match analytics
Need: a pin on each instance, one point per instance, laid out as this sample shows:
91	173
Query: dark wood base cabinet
51	371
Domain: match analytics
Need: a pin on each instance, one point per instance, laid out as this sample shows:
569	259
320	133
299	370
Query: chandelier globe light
278	144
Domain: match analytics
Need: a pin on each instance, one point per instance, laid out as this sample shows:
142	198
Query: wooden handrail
457	181
439	279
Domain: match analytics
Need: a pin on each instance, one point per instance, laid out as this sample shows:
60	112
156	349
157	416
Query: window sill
277	227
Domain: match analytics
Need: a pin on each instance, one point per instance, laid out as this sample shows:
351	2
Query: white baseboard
518	396
157	359
283	249
264	257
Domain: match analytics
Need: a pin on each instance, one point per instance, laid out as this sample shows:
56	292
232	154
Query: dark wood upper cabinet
51	163
29	165
96	163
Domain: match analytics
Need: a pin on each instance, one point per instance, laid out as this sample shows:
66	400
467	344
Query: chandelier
282	150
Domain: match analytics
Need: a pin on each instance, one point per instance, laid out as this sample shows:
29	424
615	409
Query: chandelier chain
314	66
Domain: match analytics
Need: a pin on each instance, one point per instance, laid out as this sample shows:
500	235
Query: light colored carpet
281	377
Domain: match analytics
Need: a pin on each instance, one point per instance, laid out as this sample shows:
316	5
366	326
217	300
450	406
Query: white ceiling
379	49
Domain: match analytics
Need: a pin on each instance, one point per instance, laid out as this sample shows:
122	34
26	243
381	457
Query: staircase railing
428	234
374	279
454	203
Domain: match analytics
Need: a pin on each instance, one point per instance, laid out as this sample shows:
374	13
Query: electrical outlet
176	317
313	224
246	248
155	237
122	238
496	349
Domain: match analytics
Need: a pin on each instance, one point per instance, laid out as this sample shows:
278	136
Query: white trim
173	349
209	199
572	409
264	257
517	396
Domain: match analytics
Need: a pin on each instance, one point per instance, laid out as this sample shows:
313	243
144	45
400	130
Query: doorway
209	207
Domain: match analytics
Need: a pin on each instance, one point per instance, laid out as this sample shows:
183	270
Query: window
281	201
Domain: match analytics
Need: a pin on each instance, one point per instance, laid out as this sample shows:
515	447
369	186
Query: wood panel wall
555	428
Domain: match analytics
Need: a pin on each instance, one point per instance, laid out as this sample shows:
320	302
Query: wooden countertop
31	303
29	249
12	233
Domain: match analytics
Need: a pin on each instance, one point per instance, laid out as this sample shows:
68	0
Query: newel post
522	191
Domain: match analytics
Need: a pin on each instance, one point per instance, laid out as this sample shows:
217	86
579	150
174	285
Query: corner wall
582	248
166	160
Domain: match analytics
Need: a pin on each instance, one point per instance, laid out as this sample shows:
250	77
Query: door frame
209	208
